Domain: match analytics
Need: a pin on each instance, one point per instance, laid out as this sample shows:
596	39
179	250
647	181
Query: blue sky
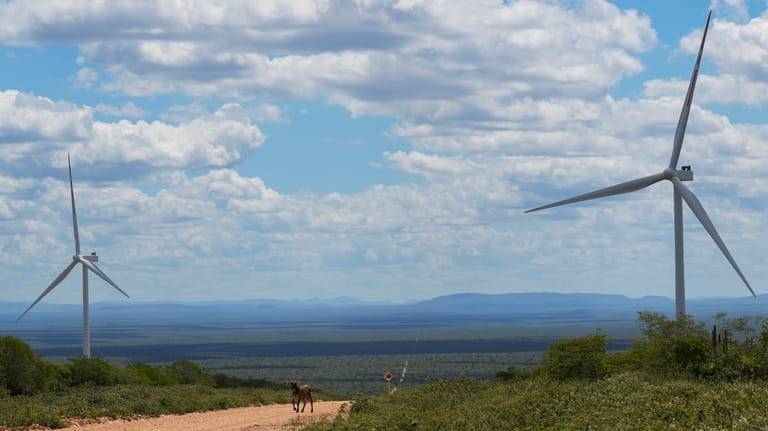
380	150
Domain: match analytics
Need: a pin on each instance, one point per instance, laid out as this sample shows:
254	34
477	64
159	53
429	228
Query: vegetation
48	408
677	375
21	371
628	401
35	391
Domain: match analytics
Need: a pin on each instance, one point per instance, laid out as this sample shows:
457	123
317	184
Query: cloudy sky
384	150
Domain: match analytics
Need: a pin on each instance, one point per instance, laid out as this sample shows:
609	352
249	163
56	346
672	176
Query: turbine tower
681	193
89	264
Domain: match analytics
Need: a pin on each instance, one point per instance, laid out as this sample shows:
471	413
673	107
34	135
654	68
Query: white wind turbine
681	192
88	262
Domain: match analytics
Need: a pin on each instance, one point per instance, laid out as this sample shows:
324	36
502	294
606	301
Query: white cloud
86	77
503	107
29	118
217	139
128	109
740	52
32	128
735	8
183	113
437	49
430	165
268	113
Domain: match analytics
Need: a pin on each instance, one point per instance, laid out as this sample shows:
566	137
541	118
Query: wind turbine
681	192
89	264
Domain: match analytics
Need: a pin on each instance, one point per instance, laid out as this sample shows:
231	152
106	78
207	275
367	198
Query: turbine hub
683	174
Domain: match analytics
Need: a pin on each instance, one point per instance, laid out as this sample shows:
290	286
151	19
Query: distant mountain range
466	322
509	307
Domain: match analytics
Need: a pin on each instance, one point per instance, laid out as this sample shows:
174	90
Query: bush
513	373
94	371
690	353
124	400
669	347
189	373
141	373
621	402
23	372
226	381
577	358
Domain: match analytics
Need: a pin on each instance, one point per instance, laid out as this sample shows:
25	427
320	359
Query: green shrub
623	402
94	371
513	373
46	408
690	353
226	381
189	373
142	373
660	352
23	372
577	358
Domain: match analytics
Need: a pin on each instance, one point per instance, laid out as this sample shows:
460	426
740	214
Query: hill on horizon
503	307
155	331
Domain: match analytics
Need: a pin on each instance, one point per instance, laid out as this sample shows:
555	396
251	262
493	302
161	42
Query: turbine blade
625	187
95	269
55	283
698	210
683	121
74	213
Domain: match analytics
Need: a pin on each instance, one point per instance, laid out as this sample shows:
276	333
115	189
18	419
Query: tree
23	372
143	373
690	354
669	345
737	351
577	358
513	373
94	371
190	373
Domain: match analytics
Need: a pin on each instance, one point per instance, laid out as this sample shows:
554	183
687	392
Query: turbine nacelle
89	257
685	173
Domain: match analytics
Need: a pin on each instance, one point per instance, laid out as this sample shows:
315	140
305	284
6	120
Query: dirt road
278	417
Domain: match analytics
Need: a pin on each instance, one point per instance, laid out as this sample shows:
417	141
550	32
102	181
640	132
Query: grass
47	409
626	402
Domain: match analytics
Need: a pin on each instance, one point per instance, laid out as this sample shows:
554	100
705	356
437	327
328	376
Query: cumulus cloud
217	139
32	128
29	118
740	52
359	54
502	105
